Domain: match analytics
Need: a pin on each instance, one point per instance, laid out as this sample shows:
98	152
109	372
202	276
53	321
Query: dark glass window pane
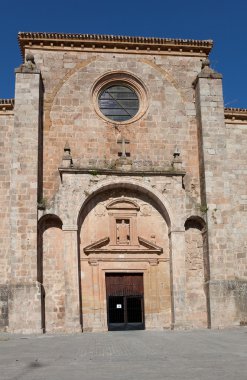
115	112
119	103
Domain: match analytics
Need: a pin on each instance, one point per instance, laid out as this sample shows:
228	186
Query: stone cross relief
123	143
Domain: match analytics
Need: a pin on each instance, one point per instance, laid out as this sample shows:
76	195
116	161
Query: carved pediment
103	246
122	204
97	245
150	245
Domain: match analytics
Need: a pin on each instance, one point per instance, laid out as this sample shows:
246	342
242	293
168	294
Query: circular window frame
124	79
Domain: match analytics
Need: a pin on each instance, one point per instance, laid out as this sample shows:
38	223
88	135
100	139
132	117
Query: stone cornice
7	105
139	173
94	42
236	115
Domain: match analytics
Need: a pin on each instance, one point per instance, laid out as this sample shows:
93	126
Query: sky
224	21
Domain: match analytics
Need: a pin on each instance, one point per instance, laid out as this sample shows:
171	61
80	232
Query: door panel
125	301
116	309
134	310
124	284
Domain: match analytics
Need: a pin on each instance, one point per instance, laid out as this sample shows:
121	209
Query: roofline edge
105	41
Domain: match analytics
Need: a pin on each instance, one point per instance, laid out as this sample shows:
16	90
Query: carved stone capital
93	262
153	262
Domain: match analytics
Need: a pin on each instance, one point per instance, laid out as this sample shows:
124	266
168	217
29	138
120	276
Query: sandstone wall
234	290
195	276
70	116
179	114
53	276
6	129
236	241
223	190
227	220
25	291
170	121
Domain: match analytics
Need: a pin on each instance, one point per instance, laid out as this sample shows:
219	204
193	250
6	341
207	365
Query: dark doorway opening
125	306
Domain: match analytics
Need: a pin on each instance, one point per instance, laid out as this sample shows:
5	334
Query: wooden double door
125	303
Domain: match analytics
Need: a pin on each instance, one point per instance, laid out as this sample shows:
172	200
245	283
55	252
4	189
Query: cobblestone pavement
144	355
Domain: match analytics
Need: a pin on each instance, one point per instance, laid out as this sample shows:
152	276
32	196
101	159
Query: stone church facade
123	188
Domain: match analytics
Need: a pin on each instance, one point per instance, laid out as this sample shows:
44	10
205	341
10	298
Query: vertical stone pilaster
71	275
212	140
178	278
25	294
214	188
96	302
153	295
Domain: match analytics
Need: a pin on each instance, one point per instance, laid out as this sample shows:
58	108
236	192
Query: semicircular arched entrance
103	186
124	252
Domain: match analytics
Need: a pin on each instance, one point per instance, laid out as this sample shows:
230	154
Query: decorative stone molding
126	259
131	183
124	78
7	105
102	246
141	173
94	42
93	262
122	204
69	227
236	115
176	231
153	262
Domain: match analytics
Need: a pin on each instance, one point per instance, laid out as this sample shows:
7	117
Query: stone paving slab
145	355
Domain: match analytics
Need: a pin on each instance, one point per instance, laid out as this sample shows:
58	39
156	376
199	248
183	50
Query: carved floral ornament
126	80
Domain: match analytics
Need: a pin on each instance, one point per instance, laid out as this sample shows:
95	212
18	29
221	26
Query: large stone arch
51	272
71	213
197	272
131	184
48	103
155	269
167	75
72	116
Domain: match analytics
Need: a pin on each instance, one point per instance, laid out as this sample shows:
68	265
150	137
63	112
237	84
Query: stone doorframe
76	201
176	237
99	268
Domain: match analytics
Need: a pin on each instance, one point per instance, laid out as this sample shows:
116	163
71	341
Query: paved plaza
131	355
